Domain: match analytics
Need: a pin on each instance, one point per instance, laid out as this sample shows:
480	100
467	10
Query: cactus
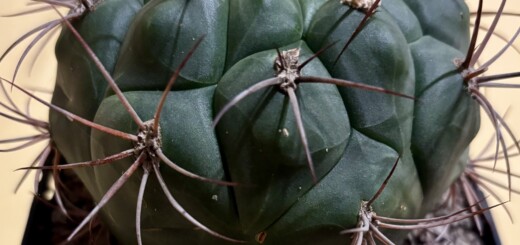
271	122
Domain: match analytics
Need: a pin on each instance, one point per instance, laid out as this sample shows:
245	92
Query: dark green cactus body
354	135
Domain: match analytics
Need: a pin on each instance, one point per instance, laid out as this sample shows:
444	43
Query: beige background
38	73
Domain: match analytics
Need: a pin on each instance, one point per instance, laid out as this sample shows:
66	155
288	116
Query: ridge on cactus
267	121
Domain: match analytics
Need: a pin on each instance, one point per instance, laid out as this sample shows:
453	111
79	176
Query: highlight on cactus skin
281	135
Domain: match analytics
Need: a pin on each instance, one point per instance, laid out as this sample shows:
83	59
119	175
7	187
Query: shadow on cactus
298	147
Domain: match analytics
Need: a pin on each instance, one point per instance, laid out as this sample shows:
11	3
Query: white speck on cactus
359	4
214	198
284	132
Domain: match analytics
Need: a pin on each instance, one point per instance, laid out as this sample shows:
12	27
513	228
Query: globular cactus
266	121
